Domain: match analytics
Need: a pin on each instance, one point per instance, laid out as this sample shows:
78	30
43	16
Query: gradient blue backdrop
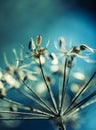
22	19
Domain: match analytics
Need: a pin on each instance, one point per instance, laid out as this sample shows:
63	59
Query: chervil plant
43	84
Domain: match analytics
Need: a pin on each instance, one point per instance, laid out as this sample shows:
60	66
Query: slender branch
79	93
35	100
25	113
79	105
88	103
63	86
29	108
48	88
38	97
67	80
25	118
22	106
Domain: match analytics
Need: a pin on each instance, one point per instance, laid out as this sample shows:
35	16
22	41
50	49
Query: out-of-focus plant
42	84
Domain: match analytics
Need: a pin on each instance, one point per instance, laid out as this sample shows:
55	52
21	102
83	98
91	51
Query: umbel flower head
49	87
36	49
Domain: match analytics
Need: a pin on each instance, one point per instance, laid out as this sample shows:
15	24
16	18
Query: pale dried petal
41	88
79	75
54	68
75	88
11	81
42	58
31	77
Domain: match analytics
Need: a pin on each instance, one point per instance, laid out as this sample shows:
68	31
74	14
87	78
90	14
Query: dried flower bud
13	108
49	79
85	47
54	58
62	43
31	45
38	40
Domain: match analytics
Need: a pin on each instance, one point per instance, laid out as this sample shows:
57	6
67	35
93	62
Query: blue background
22	19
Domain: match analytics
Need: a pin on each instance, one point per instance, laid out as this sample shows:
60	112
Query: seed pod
13	108
53	58
31	45
38	40
85	47
49	80
82	47
62	42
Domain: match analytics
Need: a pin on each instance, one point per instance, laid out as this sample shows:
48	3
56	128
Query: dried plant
43	85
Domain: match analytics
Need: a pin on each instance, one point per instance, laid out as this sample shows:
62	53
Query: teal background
22	19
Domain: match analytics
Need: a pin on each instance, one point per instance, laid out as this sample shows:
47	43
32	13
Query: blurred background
20	20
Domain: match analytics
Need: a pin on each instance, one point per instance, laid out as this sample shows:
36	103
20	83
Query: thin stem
49	89
88	103
25	118
38	97
79	93
67	80
81	103
64	85
35	100
29	108
17	104
23	113
60	91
